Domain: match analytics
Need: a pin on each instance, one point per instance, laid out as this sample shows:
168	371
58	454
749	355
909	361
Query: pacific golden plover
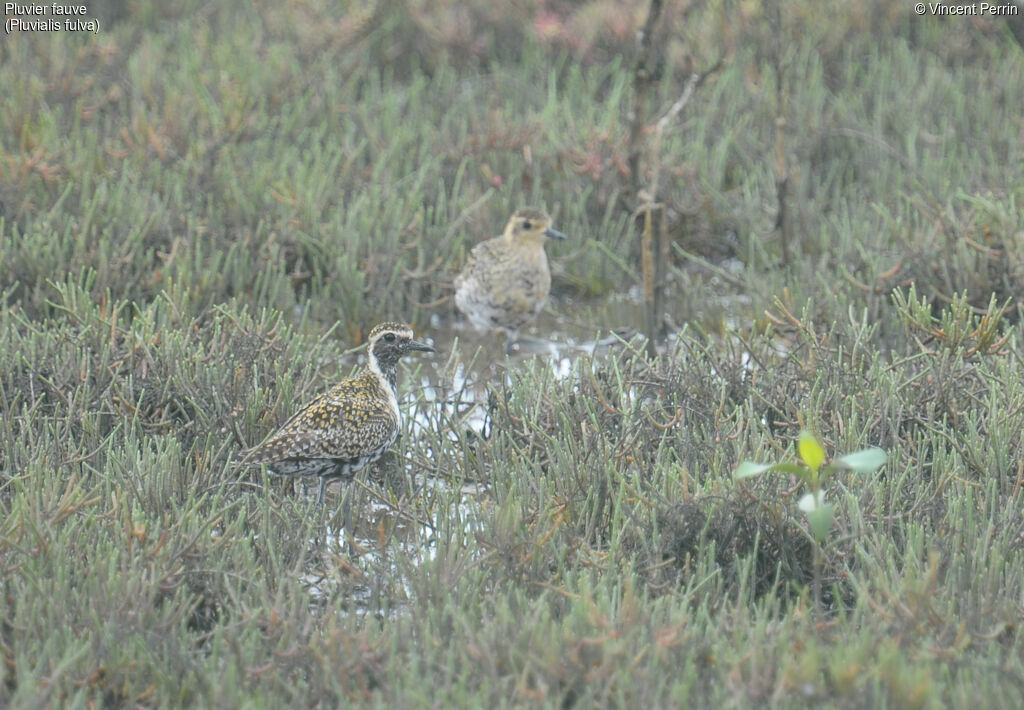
506	280
348	426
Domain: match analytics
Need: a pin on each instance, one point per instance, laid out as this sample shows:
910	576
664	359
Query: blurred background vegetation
203	206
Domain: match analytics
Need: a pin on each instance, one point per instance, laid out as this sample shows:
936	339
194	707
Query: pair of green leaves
810	470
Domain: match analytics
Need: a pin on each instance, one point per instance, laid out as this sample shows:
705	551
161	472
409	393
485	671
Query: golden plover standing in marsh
348	426
506	280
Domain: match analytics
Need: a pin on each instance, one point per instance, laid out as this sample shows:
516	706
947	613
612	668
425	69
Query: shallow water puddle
444	398
370	568
393	532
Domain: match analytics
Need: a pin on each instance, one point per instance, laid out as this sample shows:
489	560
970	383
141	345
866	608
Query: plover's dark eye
390	337
527	225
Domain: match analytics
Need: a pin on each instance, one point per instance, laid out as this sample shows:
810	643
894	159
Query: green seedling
814	475
812	471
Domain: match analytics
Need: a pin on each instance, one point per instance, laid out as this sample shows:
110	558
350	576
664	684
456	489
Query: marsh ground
205	207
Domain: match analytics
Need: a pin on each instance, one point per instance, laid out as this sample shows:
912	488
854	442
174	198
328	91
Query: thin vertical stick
641	87
647	261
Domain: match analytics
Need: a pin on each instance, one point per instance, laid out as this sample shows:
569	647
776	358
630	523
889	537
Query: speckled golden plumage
506	280
350	425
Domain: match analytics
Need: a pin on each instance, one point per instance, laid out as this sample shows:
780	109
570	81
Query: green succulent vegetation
204	208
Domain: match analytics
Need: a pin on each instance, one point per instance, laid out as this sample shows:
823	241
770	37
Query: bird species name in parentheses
52	17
